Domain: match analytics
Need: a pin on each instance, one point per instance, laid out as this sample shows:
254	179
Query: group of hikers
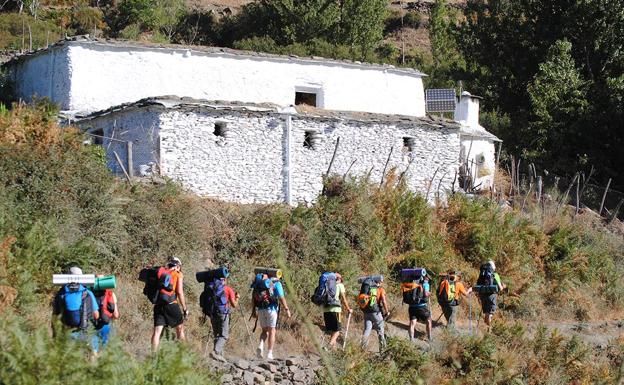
89	313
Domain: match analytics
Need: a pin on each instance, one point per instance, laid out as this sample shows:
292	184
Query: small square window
98	137
220	128
307	98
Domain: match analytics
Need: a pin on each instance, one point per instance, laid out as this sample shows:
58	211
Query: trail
304	369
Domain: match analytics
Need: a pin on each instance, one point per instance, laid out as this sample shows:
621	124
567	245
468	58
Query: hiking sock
270	354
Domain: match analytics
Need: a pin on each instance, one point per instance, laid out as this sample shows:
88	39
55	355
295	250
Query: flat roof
190	104
85	40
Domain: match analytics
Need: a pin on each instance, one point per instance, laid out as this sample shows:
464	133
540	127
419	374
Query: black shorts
168	315
488	303
421	313
332	322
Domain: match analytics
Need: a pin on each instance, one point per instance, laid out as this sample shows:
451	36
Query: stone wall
43	75
141	126
245	165
249	163
369	145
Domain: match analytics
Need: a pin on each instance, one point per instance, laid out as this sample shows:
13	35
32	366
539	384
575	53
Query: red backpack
106	303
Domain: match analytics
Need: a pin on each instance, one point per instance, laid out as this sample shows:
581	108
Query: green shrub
14	28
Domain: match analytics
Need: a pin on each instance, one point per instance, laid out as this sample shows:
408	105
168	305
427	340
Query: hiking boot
217	357
259	352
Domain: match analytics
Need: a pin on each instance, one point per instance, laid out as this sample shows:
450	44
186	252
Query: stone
227	378
242	364
299	375
249	378
292	361
269	366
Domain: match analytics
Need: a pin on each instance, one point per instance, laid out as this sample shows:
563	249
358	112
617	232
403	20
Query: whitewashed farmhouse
255	128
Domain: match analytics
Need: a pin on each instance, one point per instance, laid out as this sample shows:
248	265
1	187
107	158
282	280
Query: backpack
446	291
413	293
264	296
213	299
325	292
158	285
104	299
486	283
367	299
72	302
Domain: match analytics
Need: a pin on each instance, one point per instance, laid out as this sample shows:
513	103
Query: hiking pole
470	313
344	343
246	325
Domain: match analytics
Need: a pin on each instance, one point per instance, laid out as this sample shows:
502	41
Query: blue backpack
213	299
73	306
325	292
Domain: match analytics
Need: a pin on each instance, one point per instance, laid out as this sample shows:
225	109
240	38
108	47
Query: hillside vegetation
59	205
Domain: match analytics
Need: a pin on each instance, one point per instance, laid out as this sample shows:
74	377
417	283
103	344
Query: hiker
488	286
167	309
450	290
107	303
219	300
372	301
332	312
418	308
77	308
267	296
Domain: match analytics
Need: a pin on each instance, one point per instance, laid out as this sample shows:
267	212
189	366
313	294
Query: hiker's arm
384	303
234	298
285	306
180	293
116	312
94	306
343	298
253	309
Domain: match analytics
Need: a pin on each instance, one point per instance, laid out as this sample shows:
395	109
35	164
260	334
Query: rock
243	364
259	378
299	375
227	378
258	368
248	378
293	361
270	367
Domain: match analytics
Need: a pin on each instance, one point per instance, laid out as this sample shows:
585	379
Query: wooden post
604	196
130	160
616	211
383	173
29	39
430	183
122	167
331	162
349	169
578	187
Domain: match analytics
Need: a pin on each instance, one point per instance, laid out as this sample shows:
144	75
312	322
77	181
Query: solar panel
440	100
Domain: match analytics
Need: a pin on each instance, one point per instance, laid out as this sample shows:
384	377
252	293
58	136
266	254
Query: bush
14	28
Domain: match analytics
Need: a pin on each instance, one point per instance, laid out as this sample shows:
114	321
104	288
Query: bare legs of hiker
158	331
268	336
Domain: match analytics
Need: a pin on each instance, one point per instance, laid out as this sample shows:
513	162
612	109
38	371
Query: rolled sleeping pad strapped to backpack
408	275
377	278
271	273
148	273
65	279
486	289
205	276
103	283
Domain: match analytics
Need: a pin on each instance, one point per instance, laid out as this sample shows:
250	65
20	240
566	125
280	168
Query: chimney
467	110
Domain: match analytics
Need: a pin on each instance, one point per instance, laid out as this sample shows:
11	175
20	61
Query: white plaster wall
141	126
482	173
107	75
43	75
369	145
245	167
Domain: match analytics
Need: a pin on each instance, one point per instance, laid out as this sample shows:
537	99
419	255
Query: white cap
175	261
492	264
75	270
